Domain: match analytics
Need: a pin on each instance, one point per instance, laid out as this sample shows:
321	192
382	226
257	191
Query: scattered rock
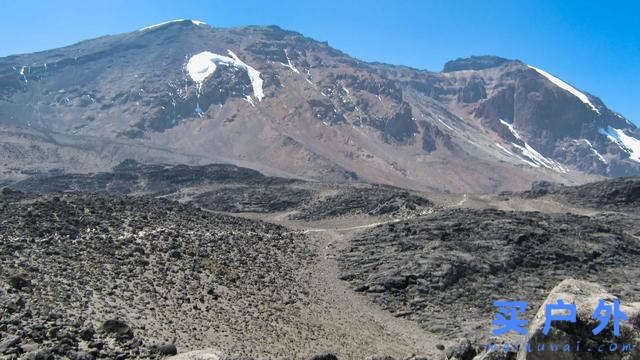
87	333
361	288
259	199
81	355
164	350
403	313
380	357
19	282
117	328
373	200
376	289
44	354
106	259
29	347
539	188
8	343
500	354
325	356
461	351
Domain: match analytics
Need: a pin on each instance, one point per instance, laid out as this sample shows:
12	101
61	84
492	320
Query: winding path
358	328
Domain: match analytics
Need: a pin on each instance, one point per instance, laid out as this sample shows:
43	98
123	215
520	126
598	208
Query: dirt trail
352	325
346	229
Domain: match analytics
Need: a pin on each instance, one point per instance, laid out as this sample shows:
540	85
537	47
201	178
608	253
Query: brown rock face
552	120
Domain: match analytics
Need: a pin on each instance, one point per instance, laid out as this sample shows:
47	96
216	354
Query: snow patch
24	77
623	118
532	164
204	64
628	143
289	64
536	158
445	124
510	127
563	85
254	75
309	77
249	100
595	151
155	26
505	149
532	154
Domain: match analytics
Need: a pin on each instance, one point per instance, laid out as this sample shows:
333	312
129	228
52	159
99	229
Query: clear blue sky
595	45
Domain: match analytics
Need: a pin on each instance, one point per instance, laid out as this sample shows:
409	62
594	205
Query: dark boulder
165	349
19	282
325	356
117	328
461	351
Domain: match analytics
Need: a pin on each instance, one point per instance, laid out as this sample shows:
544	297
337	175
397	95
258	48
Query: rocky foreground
88	276
358	269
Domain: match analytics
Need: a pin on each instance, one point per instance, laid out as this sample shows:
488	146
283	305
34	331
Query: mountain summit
274	100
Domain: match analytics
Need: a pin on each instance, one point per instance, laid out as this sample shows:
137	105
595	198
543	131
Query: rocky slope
229	188
98	276
444	270
276	101
131	177
368	201
620	194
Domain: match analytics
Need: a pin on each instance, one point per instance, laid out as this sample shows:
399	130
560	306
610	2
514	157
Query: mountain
287	105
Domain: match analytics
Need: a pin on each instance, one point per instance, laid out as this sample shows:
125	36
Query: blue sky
593	45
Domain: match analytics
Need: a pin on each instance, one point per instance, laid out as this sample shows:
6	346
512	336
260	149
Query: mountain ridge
323	114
